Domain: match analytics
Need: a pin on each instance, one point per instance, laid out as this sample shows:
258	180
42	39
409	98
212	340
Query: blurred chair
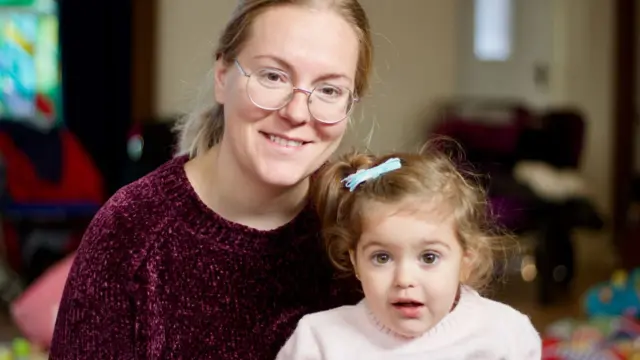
498	135
489	133
557	139
559	142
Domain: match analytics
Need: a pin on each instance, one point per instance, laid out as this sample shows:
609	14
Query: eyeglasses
272	89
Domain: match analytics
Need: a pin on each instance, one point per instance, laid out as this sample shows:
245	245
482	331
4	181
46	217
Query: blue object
51	211
618	297
362	175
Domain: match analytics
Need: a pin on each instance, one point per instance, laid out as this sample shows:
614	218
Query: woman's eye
430	258
329	91
273	76
381	258
269	77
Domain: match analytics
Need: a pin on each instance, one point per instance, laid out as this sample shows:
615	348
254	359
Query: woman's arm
96	317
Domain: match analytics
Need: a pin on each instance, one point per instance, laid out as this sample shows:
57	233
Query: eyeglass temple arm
240	68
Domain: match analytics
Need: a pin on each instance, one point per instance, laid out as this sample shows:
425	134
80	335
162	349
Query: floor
595	263
7	330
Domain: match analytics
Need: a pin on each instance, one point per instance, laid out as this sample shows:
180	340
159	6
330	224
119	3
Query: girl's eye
381	258
430	258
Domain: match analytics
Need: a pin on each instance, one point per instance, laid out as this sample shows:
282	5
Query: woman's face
312	47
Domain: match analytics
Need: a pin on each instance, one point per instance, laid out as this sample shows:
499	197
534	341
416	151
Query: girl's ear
352	257
467	265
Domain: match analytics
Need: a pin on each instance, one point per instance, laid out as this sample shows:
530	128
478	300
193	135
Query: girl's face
410	264
308	48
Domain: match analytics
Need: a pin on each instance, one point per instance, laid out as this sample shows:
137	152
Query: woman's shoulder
168	181
159	189
141	205
134	219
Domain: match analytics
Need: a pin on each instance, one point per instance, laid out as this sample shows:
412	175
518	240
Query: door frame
143	63
624	93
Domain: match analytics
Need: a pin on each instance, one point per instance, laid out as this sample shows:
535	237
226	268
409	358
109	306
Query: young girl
413	230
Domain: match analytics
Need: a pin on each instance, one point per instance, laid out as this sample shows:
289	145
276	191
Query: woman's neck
227	190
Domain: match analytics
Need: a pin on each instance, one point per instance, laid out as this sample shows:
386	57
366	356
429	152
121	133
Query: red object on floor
549	346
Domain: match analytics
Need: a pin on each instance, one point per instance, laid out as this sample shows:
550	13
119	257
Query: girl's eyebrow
431	242
423	243
372	243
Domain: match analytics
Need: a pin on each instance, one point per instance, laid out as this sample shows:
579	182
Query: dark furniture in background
495	135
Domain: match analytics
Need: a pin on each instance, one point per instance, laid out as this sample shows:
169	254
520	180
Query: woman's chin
283	178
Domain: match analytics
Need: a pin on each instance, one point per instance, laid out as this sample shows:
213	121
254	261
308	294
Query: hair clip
362	175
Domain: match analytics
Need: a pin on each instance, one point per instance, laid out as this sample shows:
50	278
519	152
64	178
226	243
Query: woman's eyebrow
281	62
284	64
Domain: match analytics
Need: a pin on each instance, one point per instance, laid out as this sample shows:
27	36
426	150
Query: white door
525	73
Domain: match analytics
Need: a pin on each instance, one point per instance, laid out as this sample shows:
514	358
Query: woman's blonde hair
430	175
200	130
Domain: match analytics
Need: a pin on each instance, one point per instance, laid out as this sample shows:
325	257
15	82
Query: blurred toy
599	327
35	311
602	337
611	330
617	297
561	330
586	338
21	349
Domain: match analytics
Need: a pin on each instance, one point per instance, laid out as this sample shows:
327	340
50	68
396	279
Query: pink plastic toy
35	311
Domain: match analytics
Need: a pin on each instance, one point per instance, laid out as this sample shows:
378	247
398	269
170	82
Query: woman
216	254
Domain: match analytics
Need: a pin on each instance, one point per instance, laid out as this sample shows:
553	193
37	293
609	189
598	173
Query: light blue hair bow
352	181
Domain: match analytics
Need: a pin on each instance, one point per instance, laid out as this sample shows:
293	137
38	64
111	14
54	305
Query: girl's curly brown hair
431	175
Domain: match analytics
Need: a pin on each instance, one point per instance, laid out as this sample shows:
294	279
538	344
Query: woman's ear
220	72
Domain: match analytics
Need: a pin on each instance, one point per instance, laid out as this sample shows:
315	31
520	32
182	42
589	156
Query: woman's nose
297	110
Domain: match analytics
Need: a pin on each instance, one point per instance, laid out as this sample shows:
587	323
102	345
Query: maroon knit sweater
160	276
